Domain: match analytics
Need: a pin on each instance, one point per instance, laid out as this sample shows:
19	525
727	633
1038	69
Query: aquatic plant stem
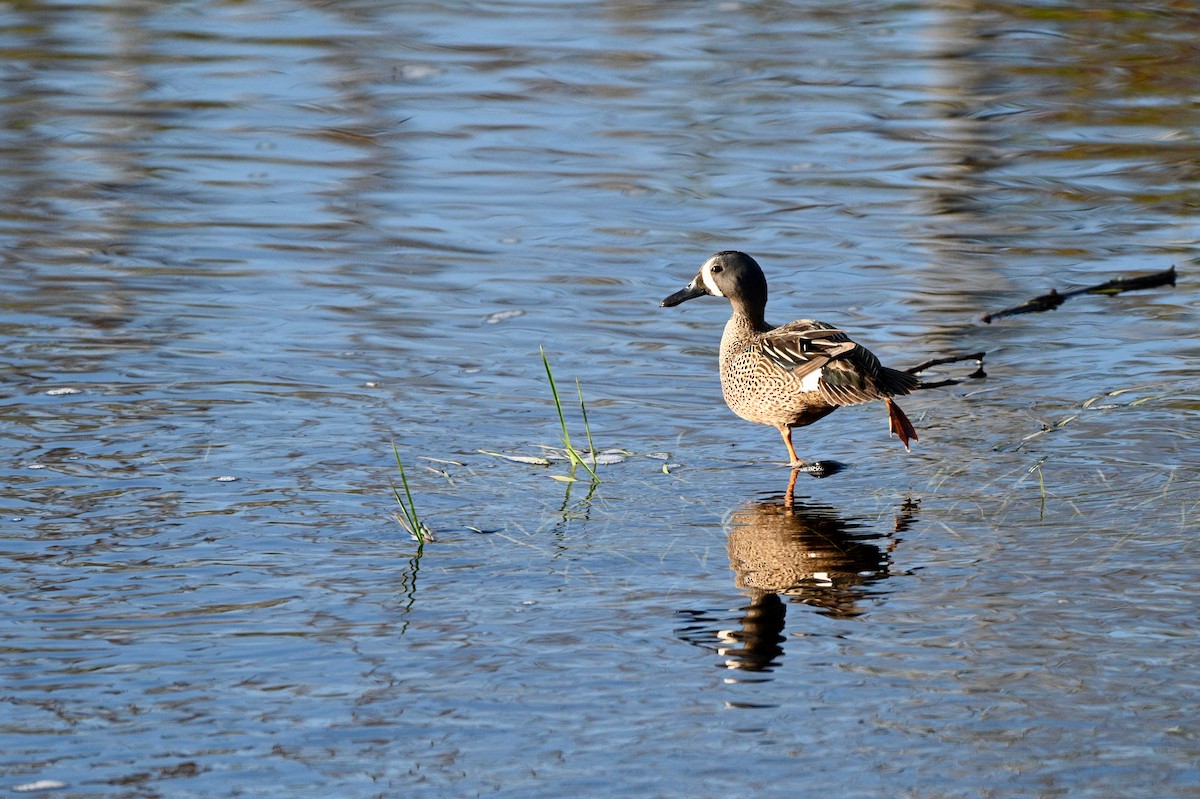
1037	467
572	453
565	436
586	427
1042	485
411	521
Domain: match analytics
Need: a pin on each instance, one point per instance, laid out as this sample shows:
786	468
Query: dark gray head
730	274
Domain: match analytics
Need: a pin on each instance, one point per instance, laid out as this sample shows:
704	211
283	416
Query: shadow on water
785	551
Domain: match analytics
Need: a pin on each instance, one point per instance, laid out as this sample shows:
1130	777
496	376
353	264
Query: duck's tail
898	423
895	382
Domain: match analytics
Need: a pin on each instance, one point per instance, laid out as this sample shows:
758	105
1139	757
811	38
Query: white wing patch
812	380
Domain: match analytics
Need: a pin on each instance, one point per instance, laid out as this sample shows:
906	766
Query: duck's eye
716	268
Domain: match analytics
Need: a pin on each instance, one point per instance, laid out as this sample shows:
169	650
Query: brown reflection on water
1038	118
784	551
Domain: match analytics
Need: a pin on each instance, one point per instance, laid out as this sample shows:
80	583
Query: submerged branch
976	375
921	367
1048	302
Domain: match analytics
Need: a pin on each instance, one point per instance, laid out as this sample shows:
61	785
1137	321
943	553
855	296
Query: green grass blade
572	453
586	427
562	420
409	508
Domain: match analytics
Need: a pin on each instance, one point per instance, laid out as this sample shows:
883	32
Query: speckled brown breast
759	390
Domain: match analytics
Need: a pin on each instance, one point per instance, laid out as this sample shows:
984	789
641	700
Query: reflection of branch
1048	302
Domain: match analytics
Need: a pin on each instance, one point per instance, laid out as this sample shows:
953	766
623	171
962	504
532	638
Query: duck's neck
750	317
740	333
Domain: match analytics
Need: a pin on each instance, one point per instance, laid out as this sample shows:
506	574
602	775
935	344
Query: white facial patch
812	380
706	278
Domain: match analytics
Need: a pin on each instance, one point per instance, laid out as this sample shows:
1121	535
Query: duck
790	375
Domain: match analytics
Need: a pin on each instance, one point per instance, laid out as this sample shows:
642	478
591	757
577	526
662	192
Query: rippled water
247	245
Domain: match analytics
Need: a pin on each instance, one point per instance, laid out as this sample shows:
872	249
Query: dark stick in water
974	356
1050	301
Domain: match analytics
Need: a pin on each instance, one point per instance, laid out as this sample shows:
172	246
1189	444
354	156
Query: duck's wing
804	346
846	373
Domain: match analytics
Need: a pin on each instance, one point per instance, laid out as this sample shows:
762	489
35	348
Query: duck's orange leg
786	432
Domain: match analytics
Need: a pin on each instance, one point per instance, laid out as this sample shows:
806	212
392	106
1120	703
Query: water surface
246	246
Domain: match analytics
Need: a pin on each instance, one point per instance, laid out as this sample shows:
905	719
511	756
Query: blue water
247	246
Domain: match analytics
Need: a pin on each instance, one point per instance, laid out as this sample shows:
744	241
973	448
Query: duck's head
730	274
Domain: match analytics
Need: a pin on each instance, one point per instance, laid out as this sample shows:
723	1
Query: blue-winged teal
791	375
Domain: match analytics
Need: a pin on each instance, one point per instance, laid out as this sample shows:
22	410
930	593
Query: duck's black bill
689	292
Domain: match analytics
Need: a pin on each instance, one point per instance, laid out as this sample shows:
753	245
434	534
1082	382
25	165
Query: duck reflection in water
789	552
